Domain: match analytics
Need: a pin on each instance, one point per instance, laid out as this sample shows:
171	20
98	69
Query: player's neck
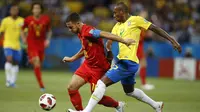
81	26
37	16
14	17
126	17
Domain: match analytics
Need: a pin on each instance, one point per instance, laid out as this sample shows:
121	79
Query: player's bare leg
97	94
73	87
141	96
8	67
37	70
142	72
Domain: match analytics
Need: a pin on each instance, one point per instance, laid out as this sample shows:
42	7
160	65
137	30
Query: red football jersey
37	30
93	49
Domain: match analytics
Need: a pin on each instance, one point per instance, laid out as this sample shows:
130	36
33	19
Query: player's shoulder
116	25
87	27
20	18
29	18
6	19
135	18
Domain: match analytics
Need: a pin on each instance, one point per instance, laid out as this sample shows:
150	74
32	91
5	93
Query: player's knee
129	94
101	84
9	59
137	93
36	62
72	87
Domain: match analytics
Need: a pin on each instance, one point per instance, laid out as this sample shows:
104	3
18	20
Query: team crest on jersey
32	22
121	32
20	24
129	23
91	31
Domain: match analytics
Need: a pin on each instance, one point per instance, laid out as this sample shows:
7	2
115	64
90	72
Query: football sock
8	67
76	100
14	70
141	96
97	95
108	102
38	75
143	75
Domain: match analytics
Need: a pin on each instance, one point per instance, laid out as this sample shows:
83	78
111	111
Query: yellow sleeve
114	30
3	26
143	23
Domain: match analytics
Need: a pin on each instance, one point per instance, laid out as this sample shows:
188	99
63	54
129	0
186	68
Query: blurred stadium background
181	18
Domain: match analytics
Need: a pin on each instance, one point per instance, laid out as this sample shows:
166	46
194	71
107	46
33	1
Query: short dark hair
14	5
123	6
37	3
73	17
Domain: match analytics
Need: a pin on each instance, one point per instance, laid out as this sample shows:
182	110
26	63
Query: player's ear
78	22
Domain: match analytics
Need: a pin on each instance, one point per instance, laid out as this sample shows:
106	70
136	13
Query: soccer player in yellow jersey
125	69
11	28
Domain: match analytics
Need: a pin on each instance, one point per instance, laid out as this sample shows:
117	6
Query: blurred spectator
150	52
183	34
178	17
188	52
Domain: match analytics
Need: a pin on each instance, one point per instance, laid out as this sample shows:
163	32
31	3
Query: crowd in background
181	18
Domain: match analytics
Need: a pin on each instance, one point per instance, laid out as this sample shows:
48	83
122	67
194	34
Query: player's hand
67	59
46	43
109	56
176	46
24	40
129	41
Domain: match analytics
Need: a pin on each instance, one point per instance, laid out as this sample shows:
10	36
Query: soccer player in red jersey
95	64
143	63
38	38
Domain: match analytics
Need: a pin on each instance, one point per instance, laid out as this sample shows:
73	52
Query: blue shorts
16	54
124	71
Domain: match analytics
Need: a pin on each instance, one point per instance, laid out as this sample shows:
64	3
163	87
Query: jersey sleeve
3	26
91	32
114	30
143	23
25	24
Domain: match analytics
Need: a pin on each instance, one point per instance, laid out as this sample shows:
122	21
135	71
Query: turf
179	96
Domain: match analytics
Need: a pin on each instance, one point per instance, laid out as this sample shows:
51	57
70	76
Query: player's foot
160	107
70	110
42	89
13	85
120	108
7	84
147	87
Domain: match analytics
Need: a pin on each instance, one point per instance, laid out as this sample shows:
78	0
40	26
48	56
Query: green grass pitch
178	96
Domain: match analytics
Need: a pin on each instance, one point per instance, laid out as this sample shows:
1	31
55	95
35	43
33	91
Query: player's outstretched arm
164	34
48	39
109	50
75	57
113	37
109	45
23	36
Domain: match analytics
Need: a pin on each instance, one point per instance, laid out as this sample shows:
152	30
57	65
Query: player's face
73	27
36	10
118	14
14	11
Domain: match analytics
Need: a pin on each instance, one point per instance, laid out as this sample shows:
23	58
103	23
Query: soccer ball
47	101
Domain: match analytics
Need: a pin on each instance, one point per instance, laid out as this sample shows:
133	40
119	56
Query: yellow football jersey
130	29
11	28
